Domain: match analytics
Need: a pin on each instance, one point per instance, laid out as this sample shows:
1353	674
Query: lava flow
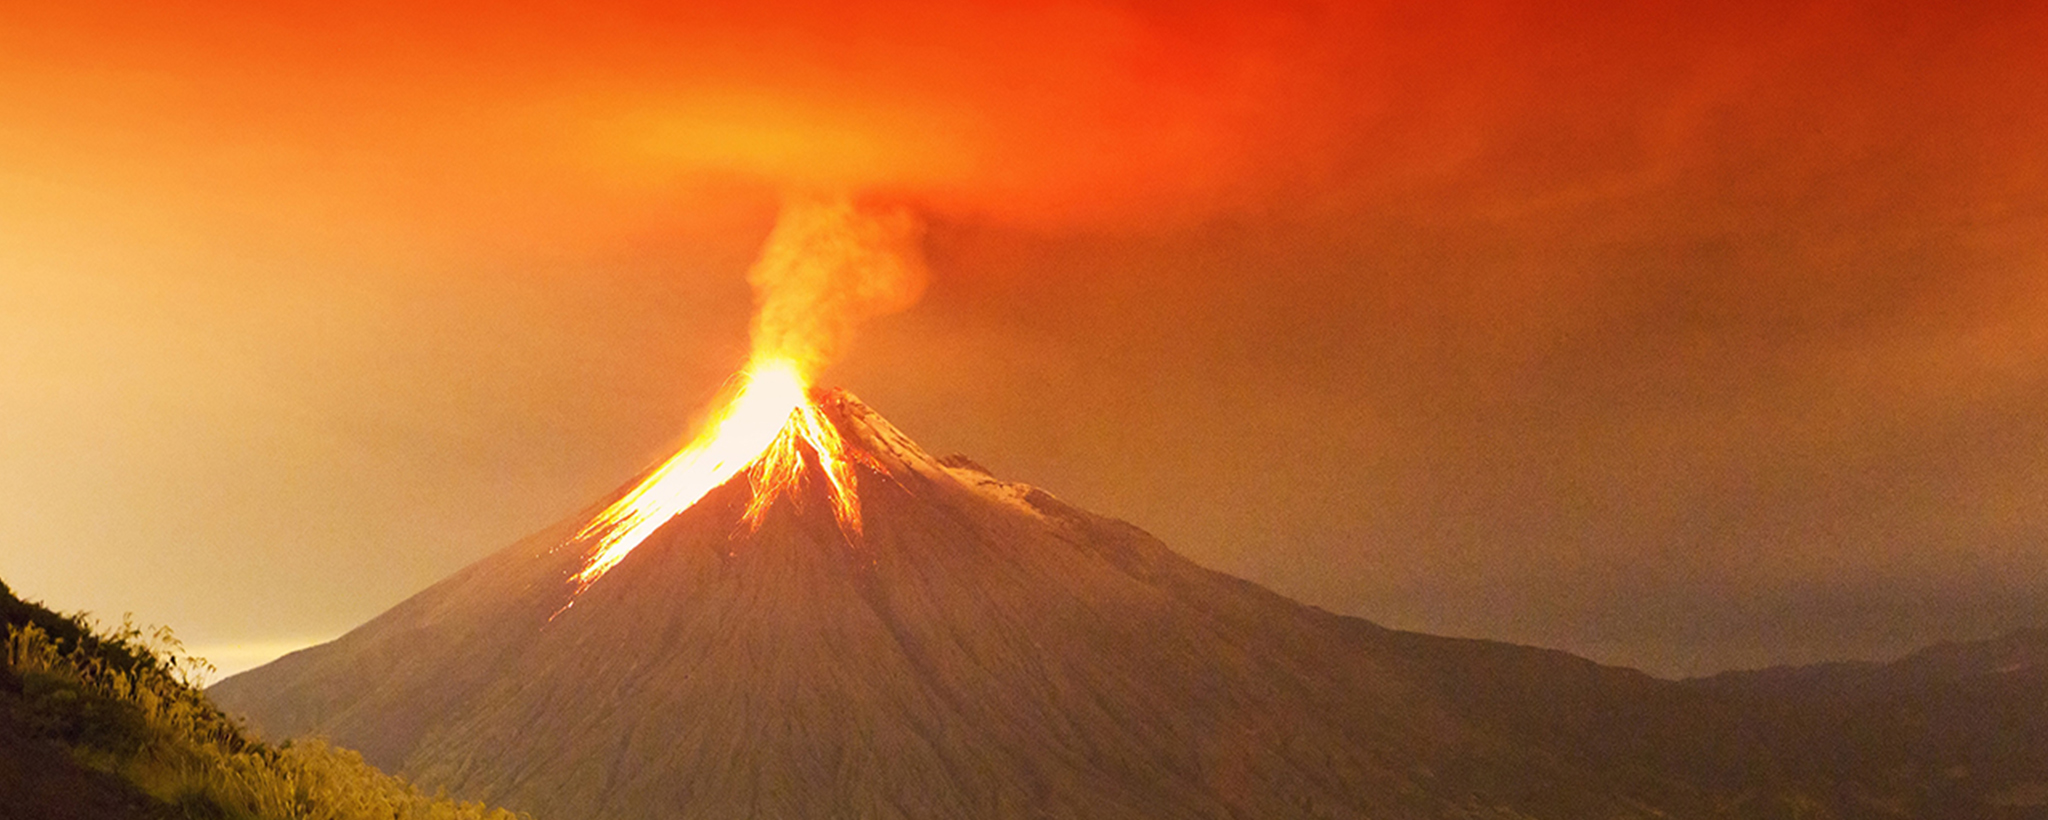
764	431
829	263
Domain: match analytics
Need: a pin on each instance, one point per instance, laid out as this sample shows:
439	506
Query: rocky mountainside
985	650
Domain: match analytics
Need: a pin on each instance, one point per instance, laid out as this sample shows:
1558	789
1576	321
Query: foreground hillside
100	724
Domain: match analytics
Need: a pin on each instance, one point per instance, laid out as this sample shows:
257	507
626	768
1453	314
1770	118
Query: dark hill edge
40	780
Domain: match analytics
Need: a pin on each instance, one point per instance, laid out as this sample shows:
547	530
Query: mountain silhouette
980	649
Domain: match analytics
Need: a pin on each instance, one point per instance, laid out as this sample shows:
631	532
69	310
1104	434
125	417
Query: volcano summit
978	649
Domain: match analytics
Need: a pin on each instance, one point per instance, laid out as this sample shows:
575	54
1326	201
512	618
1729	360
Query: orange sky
1677	336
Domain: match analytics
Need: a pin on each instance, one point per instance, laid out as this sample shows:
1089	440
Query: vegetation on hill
123	701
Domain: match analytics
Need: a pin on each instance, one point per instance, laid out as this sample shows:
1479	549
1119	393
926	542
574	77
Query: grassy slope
107	724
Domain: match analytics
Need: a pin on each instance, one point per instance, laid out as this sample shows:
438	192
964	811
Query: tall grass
126	701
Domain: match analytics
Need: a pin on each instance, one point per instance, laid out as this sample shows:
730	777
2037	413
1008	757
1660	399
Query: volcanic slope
980	650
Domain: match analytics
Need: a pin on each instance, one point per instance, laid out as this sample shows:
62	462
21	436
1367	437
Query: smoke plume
829	264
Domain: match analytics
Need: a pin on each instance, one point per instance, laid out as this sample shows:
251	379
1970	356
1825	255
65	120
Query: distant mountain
1955	730
985	650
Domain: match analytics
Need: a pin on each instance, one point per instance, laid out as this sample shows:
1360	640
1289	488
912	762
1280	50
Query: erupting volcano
977	648
767	431
827	264
802	614
983	650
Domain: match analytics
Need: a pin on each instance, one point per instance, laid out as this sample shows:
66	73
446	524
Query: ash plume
829	264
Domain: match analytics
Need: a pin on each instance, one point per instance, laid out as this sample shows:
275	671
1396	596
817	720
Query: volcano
977	648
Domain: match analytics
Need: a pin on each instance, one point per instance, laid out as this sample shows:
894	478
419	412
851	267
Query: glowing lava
829	263
766	431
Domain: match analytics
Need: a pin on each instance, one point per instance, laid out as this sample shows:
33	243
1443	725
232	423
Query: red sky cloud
1060	112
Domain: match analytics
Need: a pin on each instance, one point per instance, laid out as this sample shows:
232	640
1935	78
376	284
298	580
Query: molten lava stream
764	430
